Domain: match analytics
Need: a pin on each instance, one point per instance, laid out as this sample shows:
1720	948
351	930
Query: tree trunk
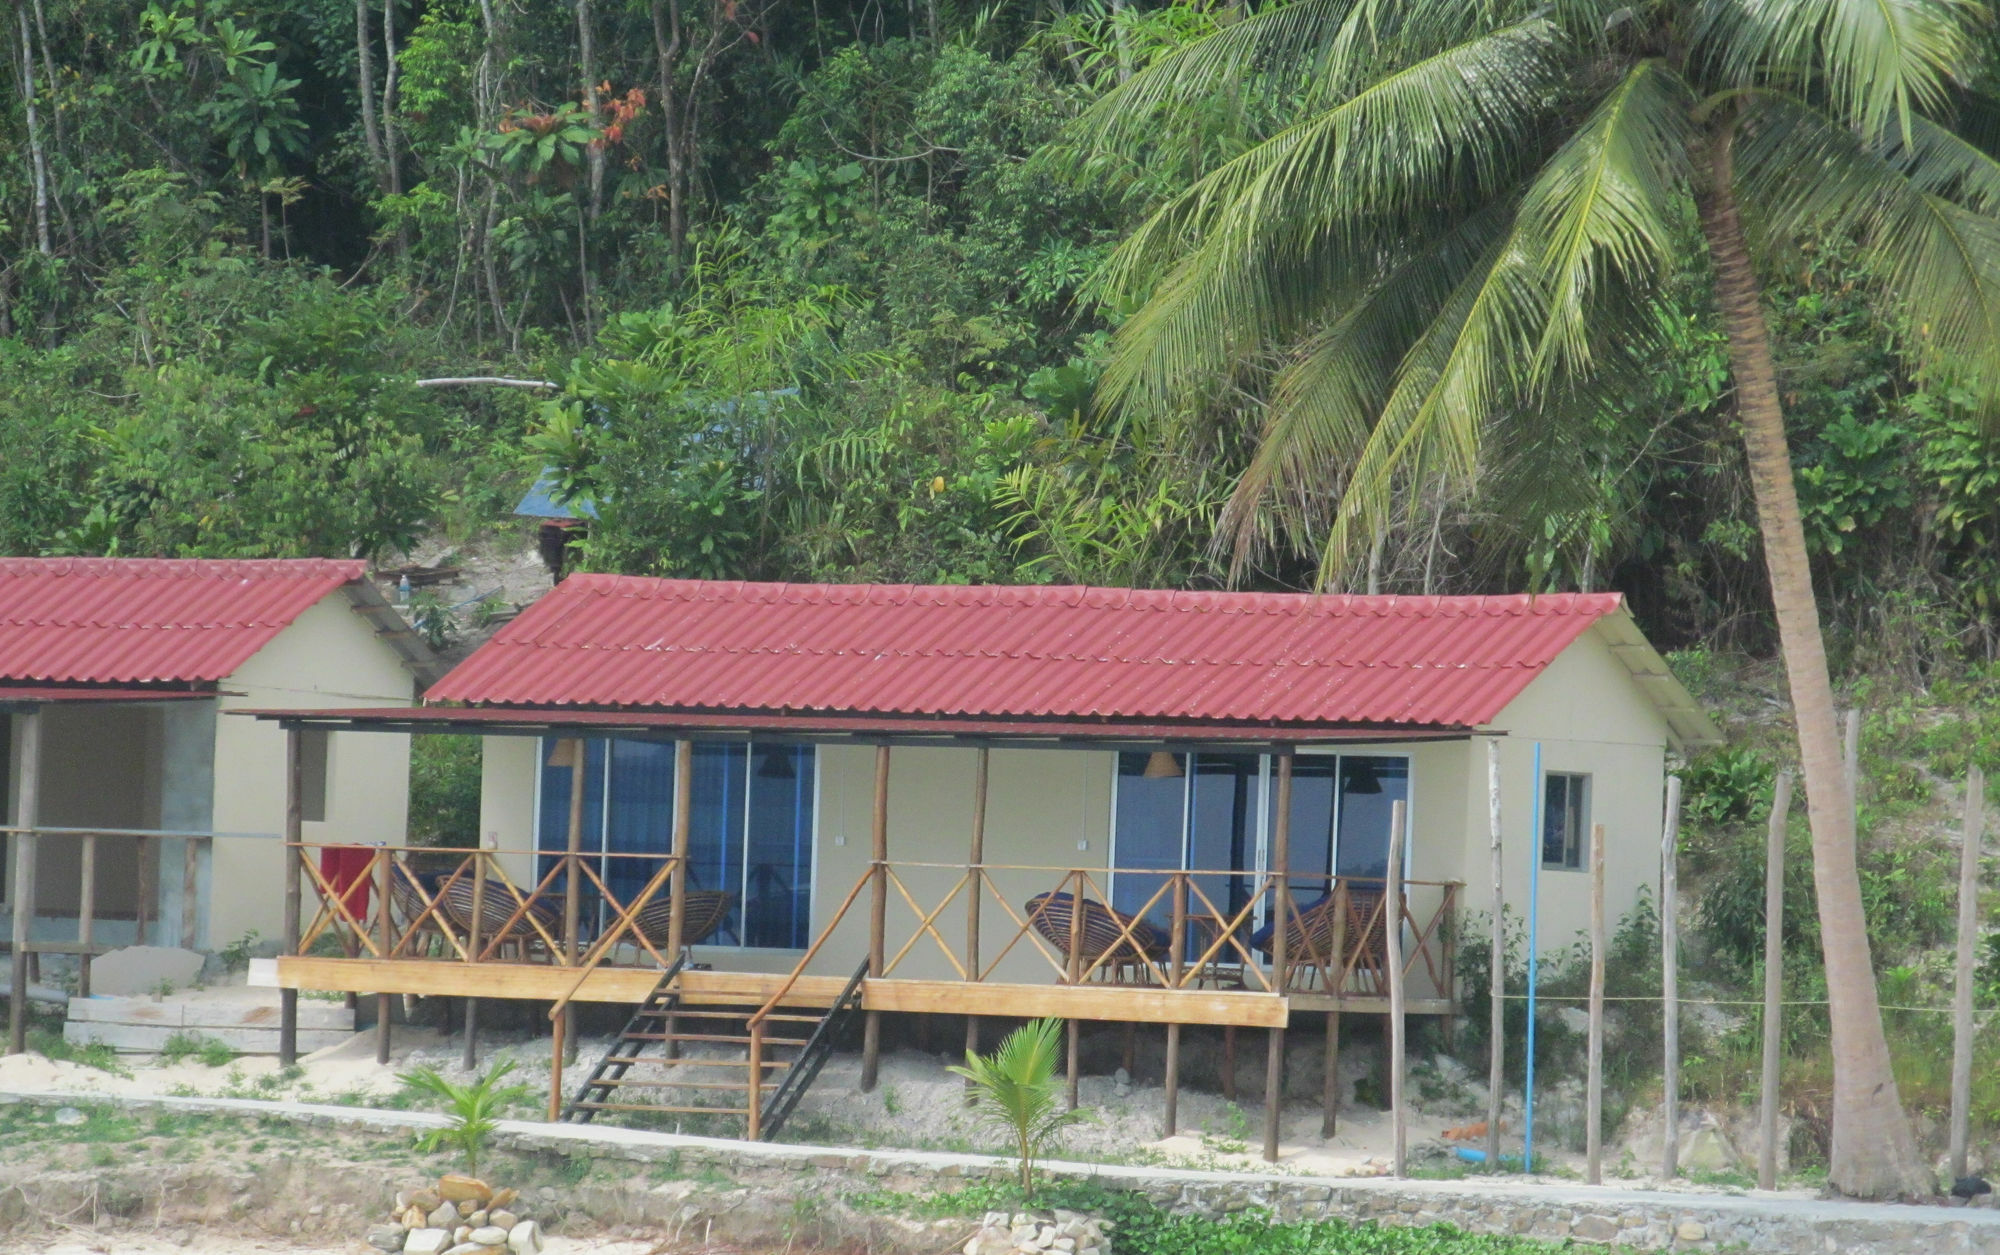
364	60
586	55
1874	1153
390	73
667	49
36	156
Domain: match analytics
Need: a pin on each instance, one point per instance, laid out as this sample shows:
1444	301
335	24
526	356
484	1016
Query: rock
1705	1149
414	1217
1691	1231
489	1235
443	1216
403	1198
426	1242
1594	1229
426	1198
525	1238
69	1115
1045	1235
456	1188
1063	1244
387	1237
476	1219
1022	1233
462	1234
136	970
502	1219
502	1198
468	1248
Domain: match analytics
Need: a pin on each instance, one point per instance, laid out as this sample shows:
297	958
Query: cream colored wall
507	770
329	657
1589	717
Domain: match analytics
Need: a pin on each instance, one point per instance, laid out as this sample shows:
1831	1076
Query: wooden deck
542	982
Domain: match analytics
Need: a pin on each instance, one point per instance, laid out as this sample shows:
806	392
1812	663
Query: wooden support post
27	812
560	1029
1229	1062
1177	972
1329	1120
754	1099
1281	864
974	873
1968	940
1593	1107
1073	1065
384	865
572	859
190	890
86	914
471	1058
1670	976
677	885
148	891
1774	981
288	999
878	913
473	940
1496	982
1392	929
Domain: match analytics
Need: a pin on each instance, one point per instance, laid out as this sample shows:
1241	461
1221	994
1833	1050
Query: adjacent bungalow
763	807
137	814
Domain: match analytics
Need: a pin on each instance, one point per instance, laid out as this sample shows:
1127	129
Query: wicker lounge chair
706	910
1099	936
521	940
424	936
1309	942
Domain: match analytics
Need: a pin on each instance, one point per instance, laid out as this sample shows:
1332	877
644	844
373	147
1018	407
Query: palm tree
1467	221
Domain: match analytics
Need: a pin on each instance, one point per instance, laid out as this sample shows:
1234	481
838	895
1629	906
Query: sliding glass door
750	828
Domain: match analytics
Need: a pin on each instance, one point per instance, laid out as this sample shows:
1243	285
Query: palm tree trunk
1874	1153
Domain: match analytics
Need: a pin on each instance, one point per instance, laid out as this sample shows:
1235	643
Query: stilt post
559	1029
1329	1120
1774	981
1968	940
1670	976
677	875
1177	969
1593	1117
1392	929
974	873
384	864
1281	863
572	859
86	913
288	999
27	814
878	914
1496	982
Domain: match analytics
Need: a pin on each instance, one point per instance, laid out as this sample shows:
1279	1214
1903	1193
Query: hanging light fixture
564	752
1162	765
1362	777
777	764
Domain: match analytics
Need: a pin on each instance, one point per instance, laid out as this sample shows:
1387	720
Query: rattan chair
1309	942
521	939
1098	935
706	911
423	935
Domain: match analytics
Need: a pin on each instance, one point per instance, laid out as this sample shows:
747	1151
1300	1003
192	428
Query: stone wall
743	1192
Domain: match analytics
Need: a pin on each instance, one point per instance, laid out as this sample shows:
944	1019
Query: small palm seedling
1015	1089
472	1109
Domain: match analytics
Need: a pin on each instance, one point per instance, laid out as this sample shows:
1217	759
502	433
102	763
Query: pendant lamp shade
1162	765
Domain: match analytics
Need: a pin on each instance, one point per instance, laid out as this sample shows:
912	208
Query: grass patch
182	1046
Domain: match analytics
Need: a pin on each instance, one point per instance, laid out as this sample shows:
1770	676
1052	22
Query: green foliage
444	790
1015	1090
472	1109
211	1052
1726	785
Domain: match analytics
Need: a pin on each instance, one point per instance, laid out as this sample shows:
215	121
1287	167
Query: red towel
345	868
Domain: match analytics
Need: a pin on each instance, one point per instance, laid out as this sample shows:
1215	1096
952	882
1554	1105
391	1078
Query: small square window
314	747
1565	820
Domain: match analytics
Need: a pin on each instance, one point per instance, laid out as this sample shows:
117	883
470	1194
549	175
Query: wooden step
724	1038
737	1086
698	1063
644	1106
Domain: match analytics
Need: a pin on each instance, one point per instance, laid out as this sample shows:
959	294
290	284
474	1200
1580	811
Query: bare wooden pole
288	999
86	918
1774	981
383	866
1177	968
1670	976
677	878
1329	1119
1392	928
560	1029
1073	1064
27	813
190	889
1593	1132
1496	984
572	876
878	913
472	944
973	872
1968	939
1281	854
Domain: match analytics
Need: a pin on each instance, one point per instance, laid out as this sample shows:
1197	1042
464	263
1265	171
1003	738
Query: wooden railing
25	874
1193	930
462	905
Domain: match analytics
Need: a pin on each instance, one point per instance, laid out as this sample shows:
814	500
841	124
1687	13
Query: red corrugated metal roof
150	620
1023	653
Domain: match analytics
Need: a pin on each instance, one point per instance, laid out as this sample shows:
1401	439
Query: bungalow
770	805
137	813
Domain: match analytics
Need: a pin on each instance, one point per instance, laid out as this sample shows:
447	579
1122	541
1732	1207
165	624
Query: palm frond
1878	63
1799	172
1939	162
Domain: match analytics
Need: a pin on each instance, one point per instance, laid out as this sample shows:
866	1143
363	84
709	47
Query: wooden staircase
743	1060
